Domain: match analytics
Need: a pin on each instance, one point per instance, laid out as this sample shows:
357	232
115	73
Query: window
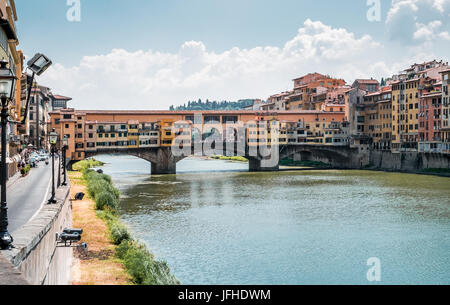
67	125
229	119
67	116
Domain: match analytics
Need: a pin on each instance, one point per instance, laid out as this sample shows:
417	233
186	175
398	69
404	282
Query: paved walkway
27	195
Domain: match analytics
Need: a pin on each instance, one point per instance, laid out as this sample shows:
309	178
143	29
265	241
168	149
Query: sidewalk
12	180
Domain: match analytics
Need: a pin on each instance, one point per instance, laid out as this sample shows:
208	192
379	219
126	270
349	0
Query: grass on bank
100	266
237	159
437	171
138	261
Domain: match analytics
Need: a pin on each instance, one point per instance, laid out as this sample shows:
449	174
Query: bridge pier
259	165
165	162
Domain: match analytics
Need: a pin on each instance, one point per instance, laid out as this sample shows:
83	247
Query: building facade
102	131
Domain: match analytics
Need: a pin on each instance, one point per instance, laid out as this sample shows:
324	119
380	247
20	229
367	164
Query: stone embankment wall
36	255
408	161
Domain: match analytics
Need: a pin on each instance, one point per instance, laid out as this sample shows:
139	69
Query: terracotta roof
209	112
60	97
367	81
432	94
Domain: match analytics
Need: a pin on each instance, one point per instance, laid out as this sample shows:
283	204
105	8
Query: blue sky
163	52
166	24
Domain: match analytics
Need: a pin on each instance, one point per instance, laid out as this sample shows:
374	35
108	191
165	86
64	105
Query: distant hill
213	105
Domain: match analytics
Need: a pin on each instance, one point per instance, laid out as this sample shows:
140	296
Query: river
216	223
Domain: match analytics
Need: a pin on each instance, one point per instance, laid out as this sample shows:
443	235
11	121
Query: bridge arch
161	158
336	156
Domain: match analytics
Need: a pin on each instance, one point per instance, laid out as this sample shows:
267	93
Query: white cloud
417	21
156	80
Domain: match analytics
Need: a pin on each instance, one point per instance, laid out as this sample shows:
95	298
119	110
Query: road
26	196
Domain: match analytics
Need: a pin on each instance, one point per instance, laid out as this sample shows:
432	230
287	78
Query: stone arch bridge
163	161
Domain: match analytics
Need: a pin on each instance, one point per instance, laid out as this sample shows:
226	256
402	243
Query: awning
9	30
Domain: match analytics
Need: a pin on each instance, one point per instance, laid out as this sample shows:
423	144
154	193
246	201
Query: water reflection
216	226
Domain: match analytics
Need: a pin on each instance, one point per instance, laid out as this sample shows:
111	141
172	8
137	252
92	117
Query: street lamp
38	64
53	141
7	88
64	149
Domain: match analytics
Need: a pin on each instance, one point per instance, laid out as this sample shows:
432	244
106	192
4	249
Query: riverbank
234	159
133	256
100	266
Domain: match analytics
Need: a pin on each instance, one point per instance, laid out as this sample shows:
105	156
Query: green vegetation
142	265
238	159
24	171
315	164
138	261
208	105
86	164
437	170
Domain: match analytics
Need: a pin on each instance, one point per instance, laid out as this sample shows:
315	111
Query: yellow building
133	134
15	59
378	118
405	114
166	132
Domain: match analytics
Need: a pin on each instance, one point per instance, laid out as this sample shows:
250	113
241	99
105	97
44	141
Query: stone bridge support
162	159
259	165
263	159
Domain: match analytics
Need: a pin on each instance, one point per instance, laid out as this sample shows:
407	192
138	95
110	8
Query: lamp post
38	64
53	141
7	88
59	168
64	149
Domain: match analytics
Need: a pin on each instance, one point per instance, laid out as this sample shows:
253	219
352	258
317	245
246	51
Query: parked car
33	162
43	157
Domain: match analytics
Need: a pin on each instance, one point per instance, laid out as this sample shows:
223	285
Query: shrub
142	266
86	164
105	200
96	186
24	171
119	233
